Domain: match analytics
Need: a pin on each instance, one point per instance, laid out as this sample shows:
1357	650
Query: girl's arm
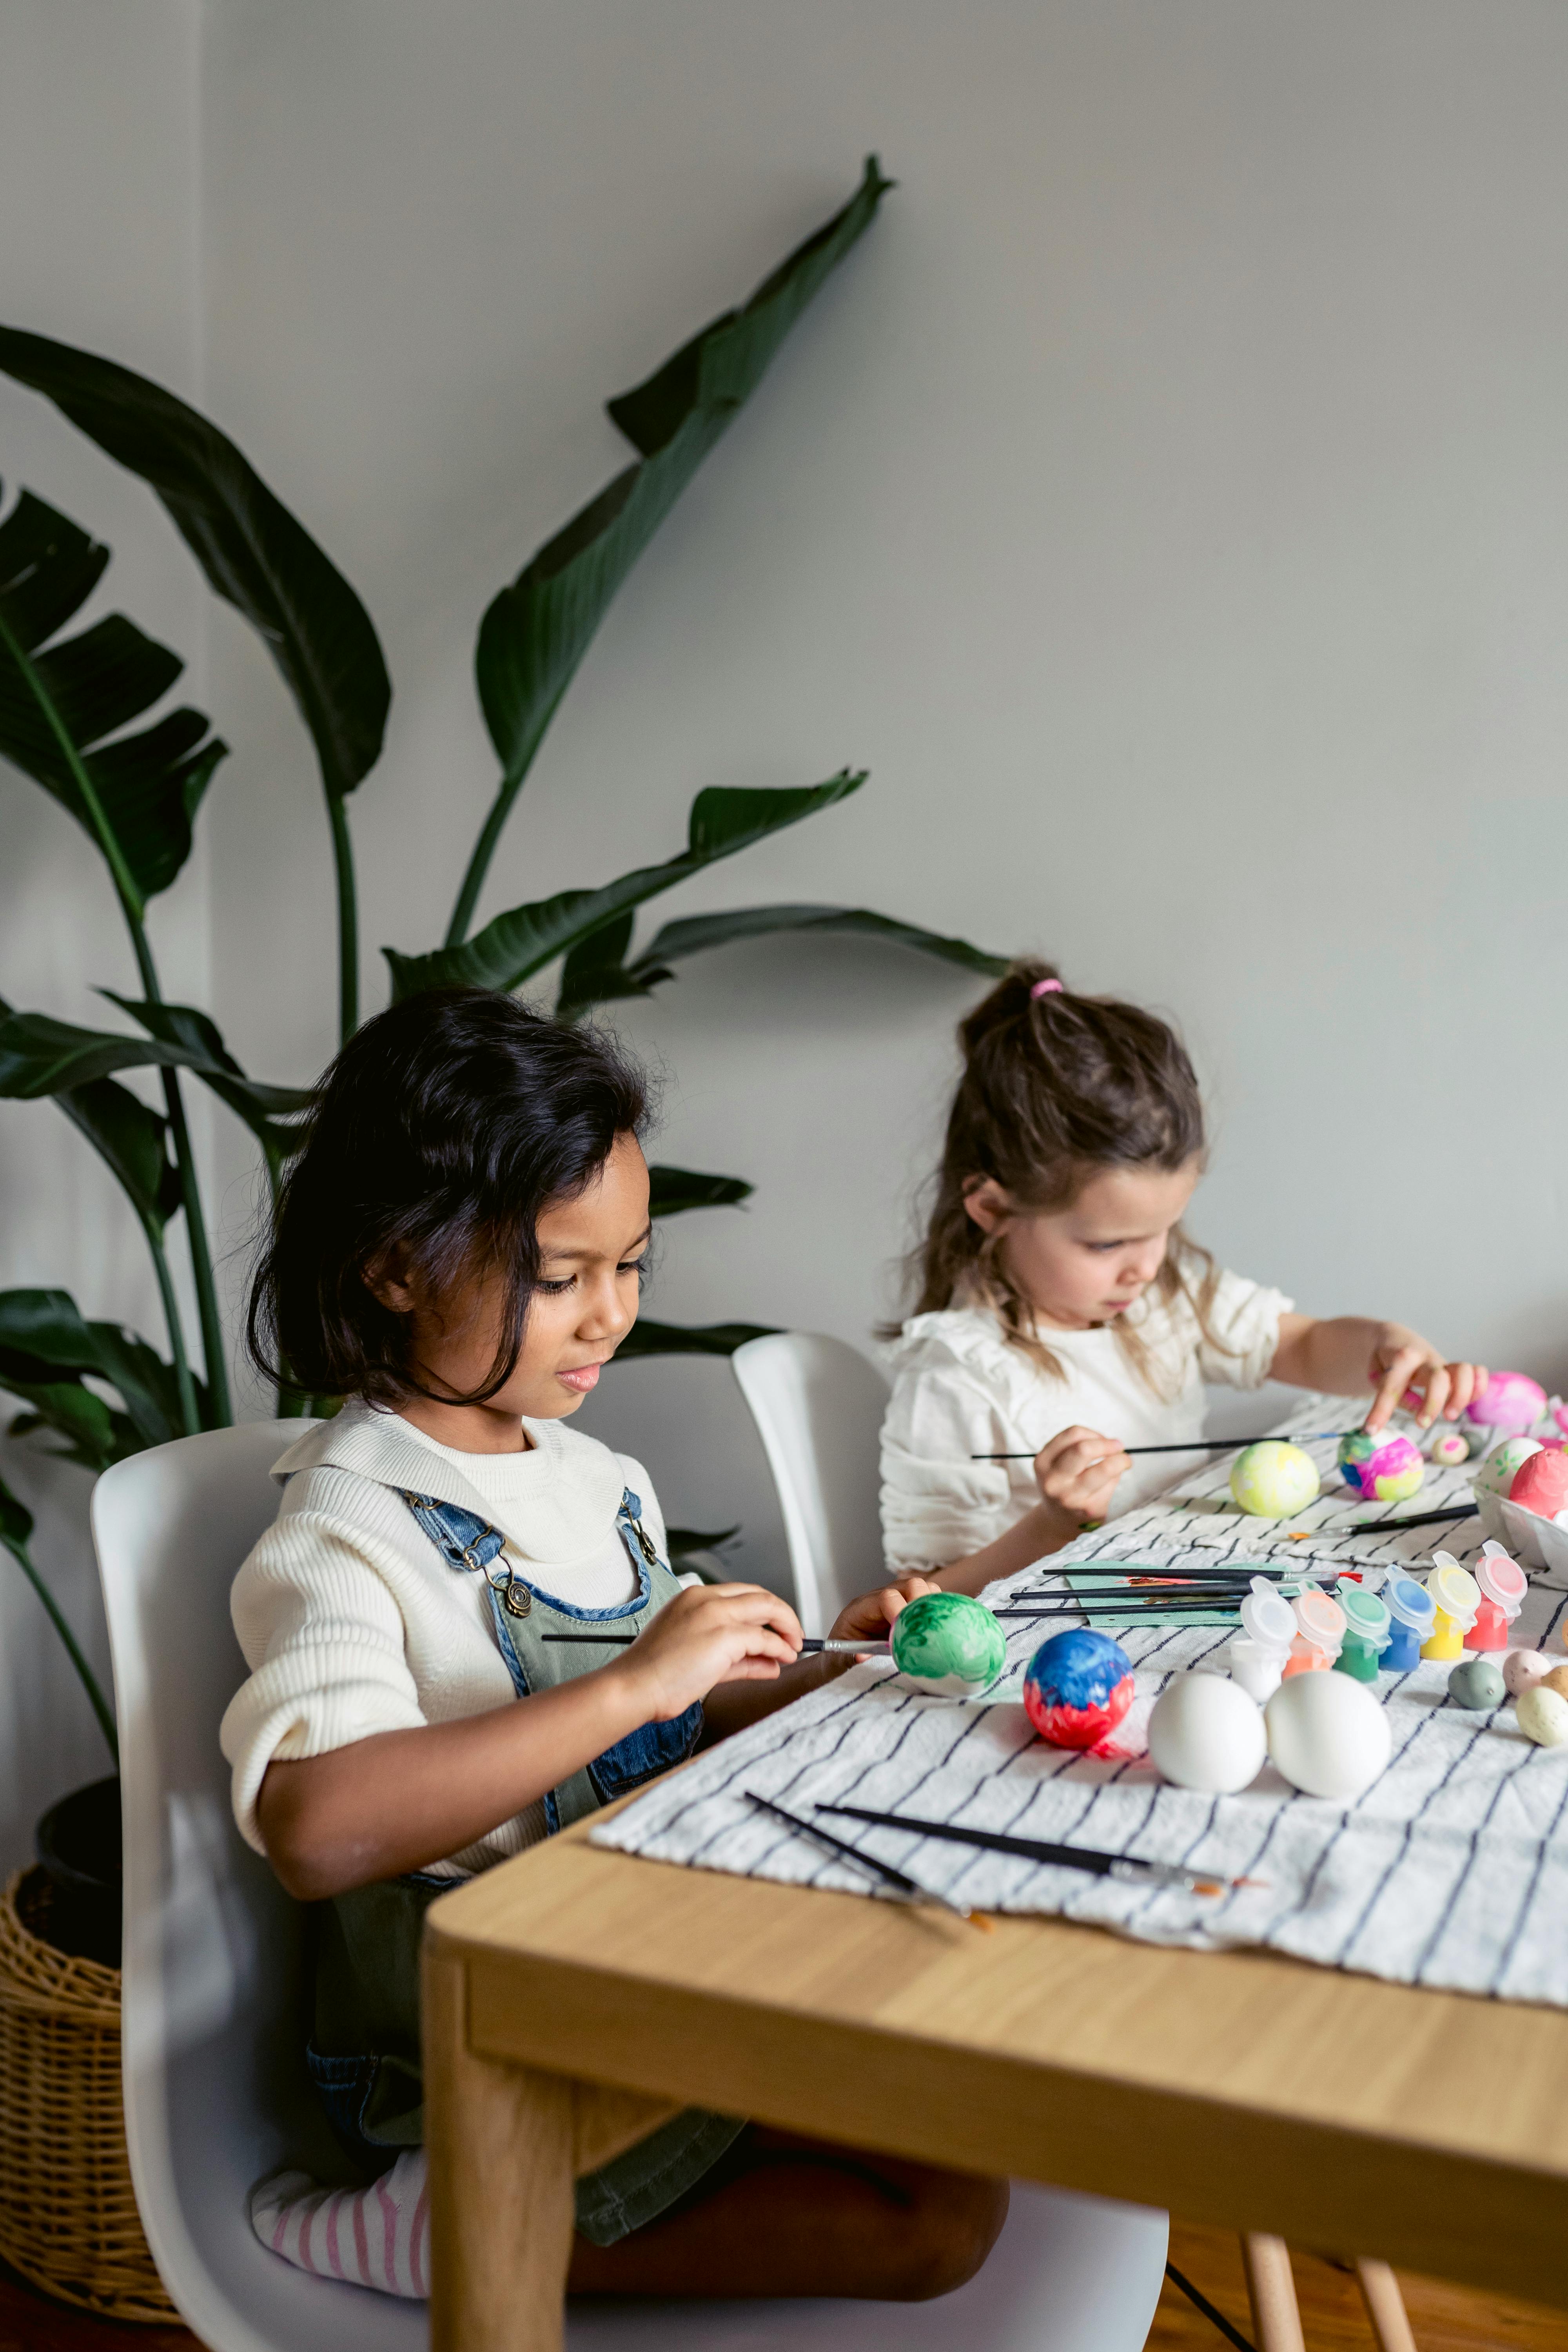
398	1800
1346	1353
1077	1471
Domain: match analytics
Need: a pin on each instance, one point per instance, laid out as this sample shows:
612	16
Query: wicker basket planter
67	2212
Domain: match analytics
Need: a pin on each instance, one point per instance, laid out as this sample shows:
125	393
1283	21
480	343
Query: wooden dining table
575	1997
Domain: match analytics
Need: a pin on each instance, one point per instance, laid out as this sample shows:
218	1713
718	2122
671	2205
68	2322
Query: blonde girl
1062	1312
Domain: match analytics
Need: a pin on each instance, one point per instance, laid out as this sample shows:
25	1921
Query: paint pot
1457	1597
1503	1586
1414	1613
1477	1683
1319	1630
1369	1629
1257	1657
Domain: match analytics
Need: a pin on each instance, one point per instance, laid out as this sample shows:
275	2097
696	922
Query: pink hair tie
1046	988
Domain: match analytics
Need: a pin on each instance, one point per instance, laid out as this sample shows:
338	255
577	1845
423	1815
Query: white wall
1167	502
98	190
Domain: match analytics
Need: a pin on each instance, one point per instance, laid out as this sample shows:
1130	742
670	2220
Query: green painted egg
1273	1480
1476	1683
949	1642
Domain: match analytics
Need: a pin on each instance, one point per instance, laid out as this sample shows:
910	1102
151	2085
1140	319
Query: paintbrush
909	1888
1067	1857
812	1644
1392	1527
1192	1446
1089	1607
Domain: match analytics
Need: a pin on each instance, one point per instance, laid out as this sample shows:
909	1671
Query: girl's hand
709	1633
1401	1360
1078	1471
869	1616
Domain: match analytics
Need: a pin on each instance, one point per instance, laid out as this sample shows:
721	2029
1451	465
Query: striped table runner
1451	1870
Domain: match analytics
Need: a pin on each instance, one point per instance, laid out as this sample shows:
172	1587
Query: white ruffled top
962	1387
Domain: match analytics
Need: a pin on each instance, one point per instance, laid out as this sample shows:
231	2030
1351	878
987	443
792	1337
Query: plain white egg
1328	1735
1205	1733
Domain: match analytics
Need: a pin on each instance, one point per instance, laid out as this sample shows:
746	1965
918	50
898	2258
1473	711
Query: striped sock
377	2237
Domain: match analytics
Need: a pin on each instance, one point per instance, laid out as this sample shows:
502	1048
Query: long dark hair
441	1133
1055	1088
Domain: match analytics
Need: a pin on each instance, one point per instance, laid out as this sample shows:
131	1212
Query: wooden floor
1443	2318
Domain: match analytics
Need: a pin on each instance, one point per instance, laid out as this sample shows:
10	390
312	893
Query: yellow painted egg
1274	1480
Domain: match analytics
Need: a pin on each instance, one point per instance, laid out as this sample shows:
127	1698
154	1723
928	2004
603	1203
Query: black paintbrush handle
1191	1445
866	1861
1392	1527
1073	1857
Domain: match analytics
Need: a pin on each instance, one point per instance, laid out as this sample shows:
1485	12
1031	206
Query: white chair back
215	2089
818	1407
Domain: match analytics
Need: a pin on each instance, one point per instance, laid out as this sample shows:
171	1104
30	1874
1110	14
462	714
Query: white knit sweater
350	1620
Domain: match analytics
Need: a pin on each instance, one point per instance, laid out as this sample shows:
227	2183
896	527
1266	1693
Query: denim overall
364	2056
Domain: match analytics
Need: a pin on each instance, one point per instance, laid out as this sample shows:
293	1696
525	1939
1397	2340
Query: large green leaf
673	1190
252	550
40	1056
507	951
180	1027
63	706
16	1528
646	1338
47	1352
599	971
133	1140
537	630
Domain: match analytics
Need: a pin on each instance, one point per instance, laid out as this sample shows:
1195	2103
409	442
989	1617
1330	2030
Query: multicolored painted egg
1382	1465
1078	1688
1448	1446
949	1642
1509	1401
1495	1473
1273	1480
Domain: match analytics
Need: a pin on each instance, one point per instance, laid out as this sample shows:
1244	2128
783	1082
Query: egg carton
1539	1543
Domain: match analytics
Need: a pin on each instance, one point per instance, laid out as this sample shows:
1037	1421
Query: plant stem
90	1683
348	918
190	1413
134	908
484	850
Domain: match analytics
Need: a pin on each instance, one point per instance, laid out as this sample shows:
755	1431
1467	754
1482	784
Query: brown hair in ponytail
1055	1088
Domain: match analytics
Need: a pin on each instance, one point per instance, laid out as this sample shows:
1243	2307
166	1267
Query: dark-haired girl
455	1255
1062	1310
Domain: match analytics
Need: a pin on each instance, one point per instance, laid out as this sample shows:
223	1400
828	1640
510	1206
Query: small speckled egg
1327	1735
1273	1480
1522	1669
1207	1733
1450	1447
1557	1680
1497	1470
1543	1716
1476	1683
1381	1468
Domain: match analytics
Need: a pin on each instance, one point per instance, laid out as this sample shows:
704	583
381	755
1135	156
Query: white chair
818	1407
215	2092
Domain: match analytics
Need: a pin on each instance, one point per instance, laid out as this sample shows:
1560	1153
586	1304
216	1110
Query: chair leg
1385	2307
1271	2290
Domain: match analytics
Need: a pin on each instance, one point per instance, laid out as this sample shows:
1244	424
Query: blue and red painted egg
1078	1688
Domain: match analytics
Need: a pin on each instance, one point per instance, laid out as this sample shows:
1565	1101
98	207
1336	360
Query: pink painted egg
1522	1669
1509	1401
1541	1485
